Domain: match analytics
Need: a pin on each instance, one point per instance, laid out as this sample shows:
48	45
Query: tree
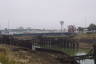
71	28
21	27
80	29
92	27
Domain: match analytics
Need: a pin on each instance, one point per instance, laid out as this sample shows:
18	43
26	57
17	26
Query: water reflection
80	53
86	61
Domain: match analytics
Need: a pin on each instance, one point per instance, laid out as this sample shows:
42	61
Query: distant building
5	31
24	31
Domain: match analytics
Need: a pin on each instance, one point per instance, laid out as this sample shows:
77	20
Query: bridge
47	34
46	44
43	42
50	43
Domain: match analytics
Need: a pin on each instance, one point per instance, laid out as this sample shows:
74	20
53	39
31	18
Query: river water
86	61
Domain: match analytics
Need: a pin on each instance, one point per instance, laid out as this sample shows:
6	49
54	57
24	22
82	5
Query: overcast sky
47	13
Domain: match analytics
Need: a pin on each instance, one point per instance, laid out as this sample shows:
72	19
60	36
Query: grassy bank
83	36
9	55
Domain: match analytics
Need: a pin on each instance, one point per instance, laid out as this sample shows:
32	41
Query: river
80	52
86	61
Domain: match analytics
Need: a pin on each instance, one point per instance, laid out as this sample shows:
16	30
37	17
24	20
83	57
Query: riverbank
85	40
12	55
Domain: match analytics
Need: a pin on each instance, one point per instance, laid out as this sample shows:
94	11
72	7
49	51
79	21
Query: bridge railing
51	43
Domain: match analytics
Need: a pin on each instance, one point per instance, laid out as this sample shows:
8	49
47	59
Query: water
86	61
79	52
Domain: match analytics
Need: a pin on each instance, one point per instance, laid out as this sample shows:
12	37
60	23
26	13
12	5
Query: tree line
91	28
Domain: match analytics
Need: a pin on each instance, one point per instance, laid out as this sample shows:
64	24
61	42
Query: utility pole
85	21
9	33
8	30
0	29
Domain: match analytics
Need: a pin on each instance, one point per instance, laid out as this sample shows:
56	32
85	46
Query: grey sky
47	13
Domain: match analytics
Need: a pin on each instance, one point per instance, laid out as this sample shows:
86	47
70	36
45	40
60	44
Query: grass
81	36
5	60
5	55
71	52
8	56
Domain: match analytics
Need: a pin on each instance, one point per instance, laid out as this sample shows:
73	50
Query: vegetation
80	29
4	57
85	35
9	55
92	27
